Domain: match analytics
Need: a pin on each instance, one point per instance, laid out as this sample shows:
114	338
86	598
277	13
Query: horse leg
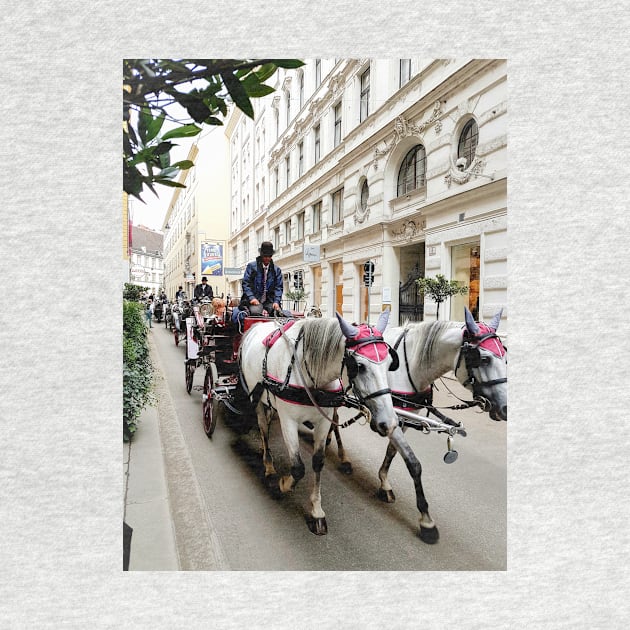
345	465
264	420
385	492
428	531
316	519
290	435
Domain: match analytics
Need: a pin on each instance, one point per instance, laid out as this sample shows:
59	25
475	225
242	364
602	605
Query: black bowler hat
266	249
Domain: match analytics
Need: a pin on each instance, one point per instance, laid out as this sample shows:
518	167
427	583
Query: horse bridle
353	367
472	359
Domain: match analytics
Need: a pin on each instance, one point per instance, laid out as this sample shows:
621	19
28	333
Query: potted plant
295	296
439	288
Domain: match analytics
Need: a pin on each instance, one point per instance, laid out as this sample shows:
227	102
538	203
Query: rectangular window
317	142
277	118
276	175
300	159
301	90
246	249
287	163
365	95
318	73
276	238
260	237
287	232
235	256
337	206
405	71
317	217
287	97
300	226
337	112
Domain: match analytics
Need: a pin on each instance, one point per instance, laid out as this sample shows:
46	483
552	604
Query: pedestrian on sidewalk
148	313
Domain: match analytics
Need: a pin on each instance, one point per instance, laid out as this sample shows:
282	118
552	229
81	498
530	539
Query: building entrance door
465	268
338	275
410	303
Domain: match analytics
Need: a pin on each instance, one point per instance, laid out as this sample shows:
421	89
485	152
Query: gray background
60	474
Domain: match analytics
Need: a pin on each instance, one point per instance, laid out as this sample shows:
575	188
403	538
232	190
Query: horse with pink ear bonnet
428	350
296	370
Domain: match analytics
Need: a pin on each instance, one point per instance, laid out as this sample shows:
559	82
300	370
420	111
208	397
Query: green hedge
137	367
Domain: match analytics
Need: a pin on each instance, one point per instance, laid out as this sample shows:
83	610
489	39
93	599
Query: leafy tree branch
203	88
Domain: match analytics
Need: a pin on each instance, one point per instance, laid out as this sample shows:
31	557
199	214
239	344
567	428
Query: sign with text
211	259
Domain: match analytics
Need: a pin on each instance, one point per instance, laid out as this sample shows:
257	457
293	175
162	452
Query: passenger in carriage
262	286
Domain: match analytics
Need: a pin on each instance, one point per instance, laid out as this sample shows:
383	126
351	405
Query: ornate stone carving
461	177
286	84
408	230
360	215
403	129
336	84
275	103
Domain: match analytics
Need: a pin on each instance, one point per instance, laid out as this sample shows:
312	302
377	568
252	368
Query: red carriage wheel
210	404
190	372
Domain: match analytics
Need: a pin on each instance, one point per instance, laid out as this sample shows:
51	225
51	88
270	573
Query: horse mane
322	341
422	353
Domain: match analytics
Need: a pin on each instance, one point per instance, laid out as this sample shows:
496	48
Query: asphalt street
225	517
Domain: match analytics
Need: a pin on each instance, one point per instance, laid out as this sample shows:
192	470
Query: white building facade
198	217
399	162
146	266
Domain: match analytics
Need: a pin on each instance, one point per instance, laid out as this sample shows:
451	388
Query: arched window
412	171
365	193
468	142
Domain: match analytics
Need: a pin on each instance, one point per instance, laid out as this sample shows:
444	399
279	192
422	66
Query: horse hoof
386	495
429	535
317	525
345	468
272	482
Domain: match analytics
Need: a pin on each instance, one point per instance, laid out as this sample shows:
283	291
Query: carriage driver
203	290
262	283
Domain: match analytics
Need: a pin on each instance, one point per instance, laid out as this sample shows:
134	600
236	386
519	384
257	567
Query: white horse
289	369
428	350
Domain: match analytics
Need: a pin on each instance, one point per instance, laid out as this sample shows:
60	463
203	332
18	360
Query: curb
197	543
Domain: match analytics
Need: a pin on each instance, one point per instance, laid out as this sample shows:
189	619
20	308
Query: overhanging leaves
203	87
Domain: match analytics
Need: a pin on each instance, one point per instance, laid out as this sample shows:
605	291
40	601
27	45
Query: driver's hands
254	302
276	306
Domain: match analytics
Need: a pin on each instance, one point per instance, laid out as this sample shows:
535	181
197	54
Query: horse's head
485	361
366	361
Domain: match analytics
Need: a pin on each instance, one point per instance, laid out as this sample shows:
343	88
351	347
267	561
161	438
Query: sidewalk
147	508
164	504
